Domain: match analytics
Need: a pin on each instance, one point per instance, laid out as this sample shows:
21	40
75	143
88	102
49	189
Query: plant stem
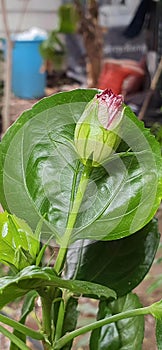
72	218
60	320
18	342
46	320
127	314
21	328
66	238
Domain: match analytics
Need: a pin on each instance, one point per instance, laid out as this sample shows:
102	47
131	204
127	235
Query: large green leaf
126	334
35	278
40	173
29	148
120	265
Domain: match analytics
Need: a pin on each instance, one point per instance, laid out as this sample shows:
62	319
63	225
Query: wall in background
24	14
114	13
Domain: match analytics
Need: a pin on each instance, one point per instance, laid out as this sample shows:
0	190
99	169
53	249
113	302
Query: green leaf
159	333
120	265
28	305
18	245
41	170
122	335
35	278
34	132
106	337
70	319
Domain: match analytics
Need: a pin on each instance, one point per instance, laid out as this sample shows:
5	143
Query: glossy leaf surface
18	244
122	335
120	265
41	170
35	278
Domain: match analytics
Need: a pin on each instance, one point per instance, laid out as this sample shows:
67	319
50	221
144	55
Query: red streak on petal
107	95
112	102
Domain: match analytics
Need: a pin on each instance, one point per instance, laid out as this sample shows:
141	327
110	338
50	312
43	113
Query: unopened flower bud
96	133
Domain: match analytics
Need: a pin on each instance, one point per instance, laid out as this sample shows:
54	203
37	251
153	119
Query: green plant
52	49
98	209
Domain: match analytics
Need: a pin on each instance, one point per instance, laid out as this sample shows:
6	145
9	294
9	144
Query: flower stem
72	218
127	314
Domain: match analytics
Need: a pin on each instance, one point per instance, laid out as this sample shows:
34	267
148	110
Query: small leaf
18	245
24	230
159	333
156	309
28	305
124	334
35	278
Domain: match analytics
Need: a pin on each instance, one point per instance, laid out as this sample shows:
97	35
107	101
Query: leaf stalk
97	324
18	342
21	328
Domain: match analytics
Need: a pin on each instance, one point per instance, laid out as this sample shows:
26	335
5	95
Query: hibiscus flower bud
96	133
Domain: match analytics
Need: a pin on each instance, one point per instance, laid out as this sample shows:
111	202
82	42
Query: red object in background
114	73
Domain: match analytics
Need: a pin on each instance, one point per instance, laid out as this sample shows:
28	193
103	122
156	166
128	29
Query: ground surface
88	308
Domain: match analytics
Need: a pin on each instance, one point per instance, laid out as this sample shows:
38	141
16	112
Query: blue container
28	81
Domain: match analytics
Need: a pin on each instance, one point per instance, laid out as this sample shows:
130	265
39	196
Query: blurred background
50	46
